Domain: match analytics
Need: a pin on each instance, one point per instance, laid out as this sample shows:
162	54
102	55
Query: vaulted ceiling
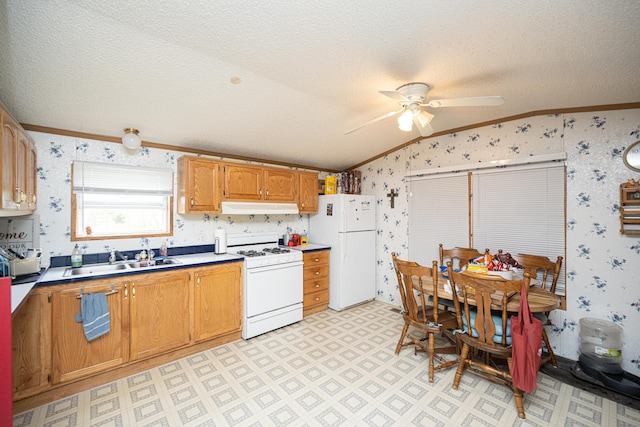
285	80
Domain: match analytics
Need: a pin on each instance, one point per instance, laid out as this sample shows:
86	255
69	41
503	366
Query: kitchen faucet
115	254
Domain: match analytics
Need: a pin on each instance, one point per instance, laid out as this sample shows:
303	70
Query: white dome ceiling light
130	139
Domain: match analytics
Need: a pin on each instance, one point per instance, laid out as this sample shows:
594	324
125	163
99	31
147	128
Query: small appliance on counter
220	241
18	264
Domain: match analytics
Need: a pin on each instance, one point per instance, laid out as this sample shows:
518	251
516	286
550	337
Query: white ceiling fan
412	96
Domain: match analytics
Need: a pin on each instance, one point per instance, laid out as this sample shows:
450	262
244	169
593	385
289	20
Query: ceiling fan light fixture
405	121
130	139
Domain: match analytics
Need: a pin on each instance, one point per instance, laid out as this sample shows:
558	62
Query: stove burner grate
251	253
276	250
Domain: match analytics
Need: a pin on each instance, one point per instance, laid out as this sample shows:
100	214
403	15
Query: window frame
75	208
424	249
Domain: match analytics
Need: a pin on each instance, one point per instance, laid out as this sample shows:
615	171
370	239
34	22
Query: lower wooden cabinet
316	282
159	313
218	301
75	357
31	345
151	314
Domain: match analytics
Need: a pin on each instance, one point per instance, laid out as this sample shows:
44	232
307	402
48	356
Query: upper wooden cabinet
257	183
243	182
308	199
199	185
18	168
203	184
281	185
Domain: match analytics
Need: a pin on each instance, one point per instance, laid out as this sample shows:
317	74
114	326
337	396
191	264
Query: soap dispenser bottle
76	257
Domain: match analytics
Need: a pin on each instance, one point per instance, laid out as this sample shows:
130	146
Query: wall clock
631	156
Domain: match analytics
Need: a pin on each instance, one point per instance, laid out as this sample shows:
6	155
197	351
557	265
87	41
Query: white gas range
272	282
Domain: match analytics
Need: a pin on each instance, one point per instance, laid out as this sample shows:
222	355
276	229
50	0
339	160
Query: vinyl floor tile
331	369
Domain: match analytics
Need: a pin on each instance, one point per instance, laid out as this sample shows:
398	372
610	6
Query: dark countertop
311	247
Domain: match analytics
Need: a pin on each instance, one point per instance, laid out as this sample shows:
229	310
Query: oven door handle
274	267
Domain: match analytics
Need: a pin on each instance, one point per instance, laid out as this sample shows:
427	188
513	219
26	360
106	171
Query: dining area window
515	209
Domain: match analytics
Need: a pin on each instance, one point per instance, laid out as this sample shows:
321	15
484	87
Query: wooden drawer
315	285
315	272
318	257
316	298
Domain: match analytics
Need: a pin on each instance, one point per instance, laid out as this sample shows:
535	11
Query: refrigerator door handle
343	246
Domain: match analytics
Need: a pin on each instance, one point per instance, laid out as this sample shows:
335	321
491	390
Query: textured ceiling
309	70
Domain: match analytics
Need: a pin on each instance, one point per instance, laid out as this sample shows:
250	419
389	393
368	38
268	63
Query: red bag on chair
526	345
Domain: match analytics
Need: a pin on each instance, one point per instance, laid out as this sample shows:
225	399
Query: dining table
540	300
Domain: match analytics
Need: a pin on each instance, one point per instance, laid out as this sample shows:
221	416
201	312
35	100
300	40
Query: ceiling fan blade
395	95
423	119
377	119
425	130
477	101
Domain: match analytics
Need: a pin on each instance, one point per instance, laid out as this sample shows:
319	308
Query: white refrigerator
347	223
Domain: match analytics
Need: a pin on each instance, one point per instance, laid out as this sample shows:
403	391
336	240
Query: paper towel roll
220	241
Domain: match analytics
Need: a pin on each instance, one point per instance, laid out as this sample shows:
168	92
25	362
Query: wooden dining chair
427	319
461	255
485	329
547	273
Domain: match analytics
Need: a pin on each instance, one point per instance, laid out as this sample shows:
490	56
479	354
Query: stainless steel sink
166	261
108	268
94	269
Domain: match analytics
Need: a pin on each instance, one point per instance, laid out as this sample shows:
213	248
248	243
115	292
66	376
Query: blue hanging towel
95	317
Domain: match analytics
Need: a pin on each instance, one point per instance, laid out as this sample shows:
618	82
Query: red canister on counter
295	239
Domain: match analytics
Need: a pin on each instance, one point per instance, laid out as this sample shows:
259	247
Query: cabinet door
75	357
31	345
243	182
22	149
32	169
160	319
198	185
218	300
9	149
308	200
281	185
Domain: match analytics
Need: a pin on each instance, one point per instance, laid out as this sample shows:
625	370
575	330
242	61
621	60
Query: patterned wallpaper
603	266
55	154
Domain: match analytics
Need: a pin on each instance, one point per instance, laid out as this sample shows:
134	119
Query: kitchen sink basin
165	261
108	268
94	269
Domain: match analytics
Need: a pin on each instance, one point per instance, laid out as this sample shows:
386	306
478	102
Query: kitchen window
111	201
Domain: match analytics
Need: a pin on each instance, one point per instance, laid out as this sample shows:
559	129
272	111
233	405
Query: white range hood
253	208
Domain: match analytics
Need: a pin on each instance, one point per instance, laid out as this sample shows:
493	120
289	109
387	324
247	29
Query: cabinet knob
316	273
133	290
316	299
316	260
191	201
317	285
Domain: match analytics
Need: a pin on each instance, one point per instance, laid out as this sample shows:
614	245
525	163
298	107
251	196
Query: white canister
220	241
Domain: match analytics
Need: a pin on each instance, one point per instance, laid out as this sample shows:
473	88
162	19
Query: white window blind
438	213
92	177
116	201
521	210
